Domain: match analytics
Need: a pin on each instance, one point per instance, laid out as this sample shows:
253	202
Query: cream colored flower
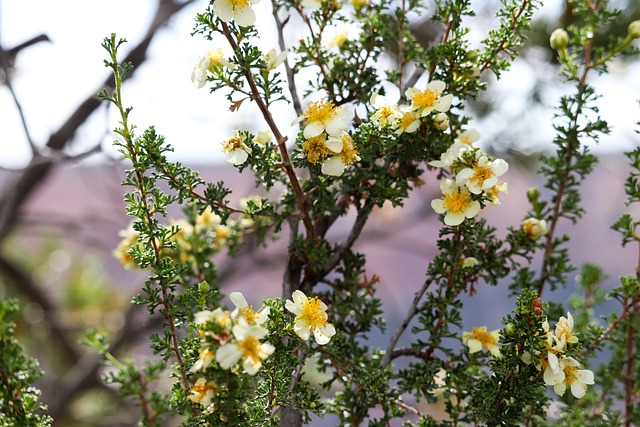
534	227
494	192
239	10
359	4
210	62
479	338
385	114
564	332
468	137
218	315
430	99
347	155
469	262
576	379
246	348
312	4
336	35
246	311
236	149
262	138
311	316
207	219
274	59
202	392
318	148
451	156
483	174
205	357
323	116
408	122
122	251
456	203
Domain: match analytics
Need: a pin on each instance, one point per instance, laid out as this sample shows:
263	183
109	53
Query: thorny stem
127	136
571	143
286	161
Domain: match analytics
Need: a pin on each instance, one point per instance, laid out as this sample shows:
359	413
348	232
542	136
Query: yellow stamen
457	201
314	148
250	348
313	314
424	98
486	338
320	111
249	314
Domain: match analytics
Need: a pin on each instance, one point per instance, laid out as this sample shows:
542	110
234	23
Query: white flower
456	203
202	392
239	10
274	59
449	157
311	316
263	137
337	35
429	99
246	311
206	219
246	347
236	150
534	227
483	174
564	332
345	154
323	116
468	137
577	379
212	61
479	338
218	315
385	114
494	192
205	357
409	121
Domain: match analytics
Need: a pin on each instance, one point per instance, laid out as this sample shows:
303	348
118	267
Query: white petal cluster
238	10
311	317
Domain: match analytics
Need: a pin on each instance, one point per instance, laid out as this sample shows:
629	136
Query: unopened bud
203	287
559	39
510	329
532	195
441	121
634	29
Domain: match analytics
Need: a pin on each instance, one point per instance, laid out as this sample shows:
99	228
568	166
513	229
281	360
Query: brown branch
16	193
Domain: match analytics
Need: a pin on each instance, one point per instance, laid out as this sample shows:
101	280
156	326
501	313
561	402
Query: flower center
424	99
313	314
570	374
348	154
481	174
249	314
215	57
233	143
315	149
386	112
456	201
238	5
406	120
485	338
202	388
250	348
320	111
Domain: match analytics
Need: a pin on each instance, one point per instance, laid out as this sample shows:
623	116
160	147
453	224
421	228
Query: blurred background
61	203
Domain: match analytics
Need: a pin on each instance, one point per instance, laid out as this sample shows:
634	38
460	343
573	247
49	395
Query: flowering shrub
353	148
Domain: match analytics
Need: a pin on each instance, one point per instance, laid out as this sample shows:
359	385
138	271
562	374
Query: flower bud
634	29
534	227
203	287
510	329
559	39
532	195
441	121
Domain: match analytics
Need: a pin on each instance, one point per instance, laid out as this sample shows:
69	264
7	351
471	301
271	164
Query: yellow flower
456	203
206	219
317	148
311	316
480	338
408	121
564	332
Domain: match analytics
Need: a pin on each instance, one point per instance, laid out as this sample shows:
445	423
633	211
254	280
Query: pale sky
52	78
